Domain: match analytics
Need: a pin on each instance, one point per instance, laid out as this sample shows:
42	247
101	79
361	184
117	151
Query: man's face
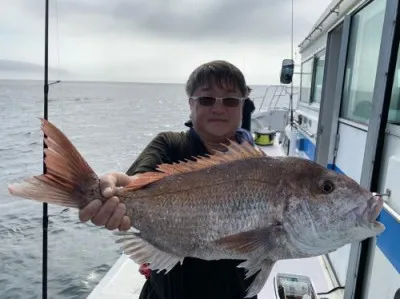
216	118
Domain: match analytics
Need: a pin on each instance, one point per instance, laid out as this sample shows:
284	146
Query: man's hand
111	212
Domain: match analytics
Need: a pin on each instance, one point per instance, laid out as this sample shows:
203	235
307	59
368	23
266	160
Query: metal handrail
279	91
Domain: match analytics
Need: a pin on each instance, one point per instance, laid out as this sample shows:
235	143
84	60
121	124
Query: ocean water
109	123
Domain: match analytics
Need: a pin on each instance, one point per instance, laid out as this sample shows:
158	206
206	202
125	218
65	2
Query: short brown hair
219	71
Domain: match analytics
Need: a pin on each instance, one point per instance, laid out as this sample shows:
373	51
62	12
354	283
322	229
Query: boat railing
271	101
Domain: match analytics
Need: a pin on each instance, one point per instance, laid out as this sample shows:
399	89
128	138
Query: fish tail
68	181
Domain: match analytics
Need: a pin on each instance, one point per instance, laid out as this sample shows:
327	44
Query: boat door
356	72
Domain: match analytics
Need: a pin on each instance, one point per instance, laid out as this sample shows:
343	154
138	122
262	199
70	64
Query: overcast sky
151	41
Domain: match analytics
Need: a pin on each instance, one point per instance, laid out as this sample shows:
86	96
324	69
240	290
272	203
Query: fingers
109	182
89	210
110	214
105	212
107	185
116	218
125	224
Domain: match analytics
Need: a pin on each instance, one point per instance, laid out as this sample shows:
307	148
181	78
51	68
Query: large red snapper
238	204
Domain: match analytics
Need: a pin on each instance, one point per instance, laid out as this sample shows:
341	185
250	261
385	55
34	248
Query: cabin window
362	62
306	77
394	109
397	295
319	64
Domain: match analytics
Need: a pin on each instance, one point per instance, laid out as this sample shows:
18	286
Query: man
248	109
216	92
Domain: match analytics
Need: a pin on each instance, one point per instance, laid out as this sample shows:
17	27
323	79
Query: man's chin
219	132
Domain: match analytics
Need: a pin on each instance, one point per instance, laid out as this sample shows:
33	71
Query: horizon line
125	82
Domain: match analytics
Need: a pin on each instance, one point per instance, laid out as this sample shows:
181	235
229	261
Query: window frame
341	117
317	56
309	59
395	84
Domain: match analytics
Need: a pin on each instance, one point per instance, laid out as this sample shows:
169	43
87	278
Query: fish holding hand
238	204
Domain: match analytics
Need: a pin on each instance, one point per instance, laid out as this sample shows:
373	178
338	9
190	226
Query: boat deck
124	281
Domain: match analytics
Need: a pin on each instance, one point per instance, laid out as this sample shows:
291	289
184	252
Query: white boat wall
348	119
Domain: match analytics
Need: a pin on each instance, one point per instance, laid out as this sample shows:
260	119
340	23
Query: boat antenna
291	83
292	144
46	92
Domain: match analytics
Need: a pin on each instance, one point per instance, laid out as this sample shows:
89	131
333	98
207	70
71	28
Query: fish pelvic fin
68	181
259	271
235	151
142	252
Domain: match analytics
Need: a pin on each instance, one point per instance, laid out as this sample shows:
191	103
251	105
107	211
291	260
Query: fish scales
206	213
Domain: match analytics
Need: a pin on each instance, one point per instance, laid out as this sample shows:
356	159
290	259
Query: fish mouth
371	210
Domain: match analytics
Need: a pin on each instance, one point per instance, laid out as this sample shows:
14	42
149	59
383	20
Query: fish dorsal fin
235	151
143	179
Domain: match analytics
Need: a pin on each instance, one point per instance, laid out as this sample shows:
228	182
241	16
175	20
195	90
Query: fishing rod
46	104
45	217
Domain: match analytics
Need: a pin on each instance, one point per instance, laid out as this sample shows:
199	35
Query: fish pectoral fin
143	252
251	240
261	269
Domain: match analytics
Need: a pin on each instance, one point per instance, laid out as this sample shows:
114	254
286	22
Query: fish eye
327	186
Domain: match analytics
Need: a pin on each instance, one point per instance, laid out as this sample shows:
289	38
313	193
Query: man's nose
218	106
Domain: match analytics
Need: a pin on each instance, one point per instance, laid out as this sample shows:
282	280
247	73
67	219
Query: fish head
326	210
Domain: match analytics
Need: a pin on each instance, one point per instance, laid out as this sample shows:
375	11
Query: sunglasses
227	102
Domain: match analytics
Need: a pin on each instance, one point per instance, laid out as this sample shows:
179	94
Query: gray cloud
260	21
160	40
223	20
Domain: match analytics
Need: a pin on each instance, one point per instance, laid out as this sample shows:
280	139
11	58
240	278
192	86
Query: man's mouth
217	120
